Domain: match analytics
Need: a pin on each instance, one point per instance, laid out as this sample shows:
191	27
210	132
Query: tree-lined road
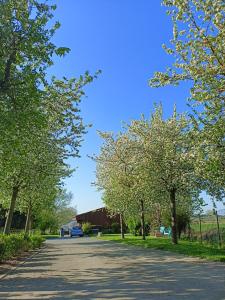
86	268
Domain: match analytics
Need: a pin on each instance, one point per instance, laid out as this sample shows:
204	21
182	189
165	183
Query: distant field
207	226
208	223
209	229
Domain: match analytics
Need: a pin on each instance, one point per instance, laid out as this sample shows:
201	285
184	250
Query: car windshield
76	228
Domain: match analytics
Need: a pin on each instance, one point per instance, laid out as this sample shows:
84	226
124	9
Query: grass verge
194	249
50	236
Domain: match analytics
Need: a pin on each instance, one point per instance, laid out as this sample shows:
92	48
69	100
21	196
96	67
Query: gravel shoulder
87	268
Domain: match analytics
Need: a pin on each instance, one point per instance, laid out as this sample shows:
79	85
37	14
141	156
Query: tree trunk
218	229
142	220
189	231
11	210
173	215
200	227
28	220
121	226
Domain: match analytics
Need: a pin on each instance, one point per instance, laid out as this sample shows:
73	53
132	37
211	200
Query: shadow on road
90	269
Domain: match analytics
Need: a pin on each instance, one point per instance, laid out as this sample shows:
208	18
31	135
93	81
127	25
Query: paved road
85	268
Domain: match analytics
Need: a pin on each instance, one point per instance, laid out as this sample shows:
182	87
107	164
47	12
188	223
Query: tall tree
198	48
37	116
112	175
122	176
169	158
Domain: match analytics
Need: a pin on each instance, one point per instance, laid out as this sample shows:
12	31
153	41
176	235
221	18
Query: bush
115	228
133	226
35	241
86	227
14	244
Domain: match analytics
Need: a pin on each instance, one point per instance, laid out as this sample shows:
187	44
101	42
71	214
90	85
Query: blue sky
124	39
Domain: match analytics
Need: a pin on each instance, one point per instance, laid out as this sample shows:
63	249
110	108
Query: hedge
14	244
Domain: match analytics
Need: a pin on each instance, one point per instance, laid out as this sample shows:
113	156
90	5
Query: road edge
33	253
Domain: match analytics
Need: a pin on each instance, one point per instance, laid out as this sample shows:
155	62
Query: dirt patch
7	265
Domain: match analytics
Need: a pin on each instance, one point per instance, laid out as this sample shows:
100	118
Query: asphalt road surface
87	268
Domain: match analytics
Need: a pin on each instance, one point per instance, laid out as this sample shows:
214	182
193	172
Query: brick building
99	218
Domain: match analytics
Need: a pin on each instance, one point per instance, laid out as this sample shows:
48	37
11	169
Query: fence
207	229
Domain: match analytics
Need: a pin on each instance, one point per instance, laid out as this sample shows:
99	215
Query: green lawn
184	247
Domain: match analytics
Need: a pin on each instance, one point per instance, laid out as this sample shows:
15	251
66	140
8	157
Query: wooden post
200	227
218	229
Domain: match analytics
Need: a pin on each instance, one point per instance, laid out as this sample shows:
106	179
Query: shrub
133	226
35	241
86	227
115	227
14	244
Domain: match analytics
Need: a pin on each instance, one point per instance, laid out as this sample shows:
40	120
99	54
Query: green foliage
164	164
198	49
65	215
47	220
63	210
35	241
183	220
14	244
150	164
115	227
40	121
57	213
133	225
86	227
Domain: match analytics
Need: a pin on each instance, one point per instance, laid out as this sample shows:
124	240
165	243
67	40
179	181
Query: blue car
76	231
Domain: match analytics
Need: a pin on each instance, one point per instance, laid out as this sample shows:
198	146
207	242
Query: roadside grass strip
50	236
194	249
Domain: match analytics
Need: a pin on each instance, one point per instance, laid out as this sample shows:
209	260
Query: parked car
76	231
66	229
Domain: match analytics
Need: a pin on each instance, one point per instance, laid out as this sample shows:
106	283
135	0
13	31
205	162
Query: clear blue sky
124	39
